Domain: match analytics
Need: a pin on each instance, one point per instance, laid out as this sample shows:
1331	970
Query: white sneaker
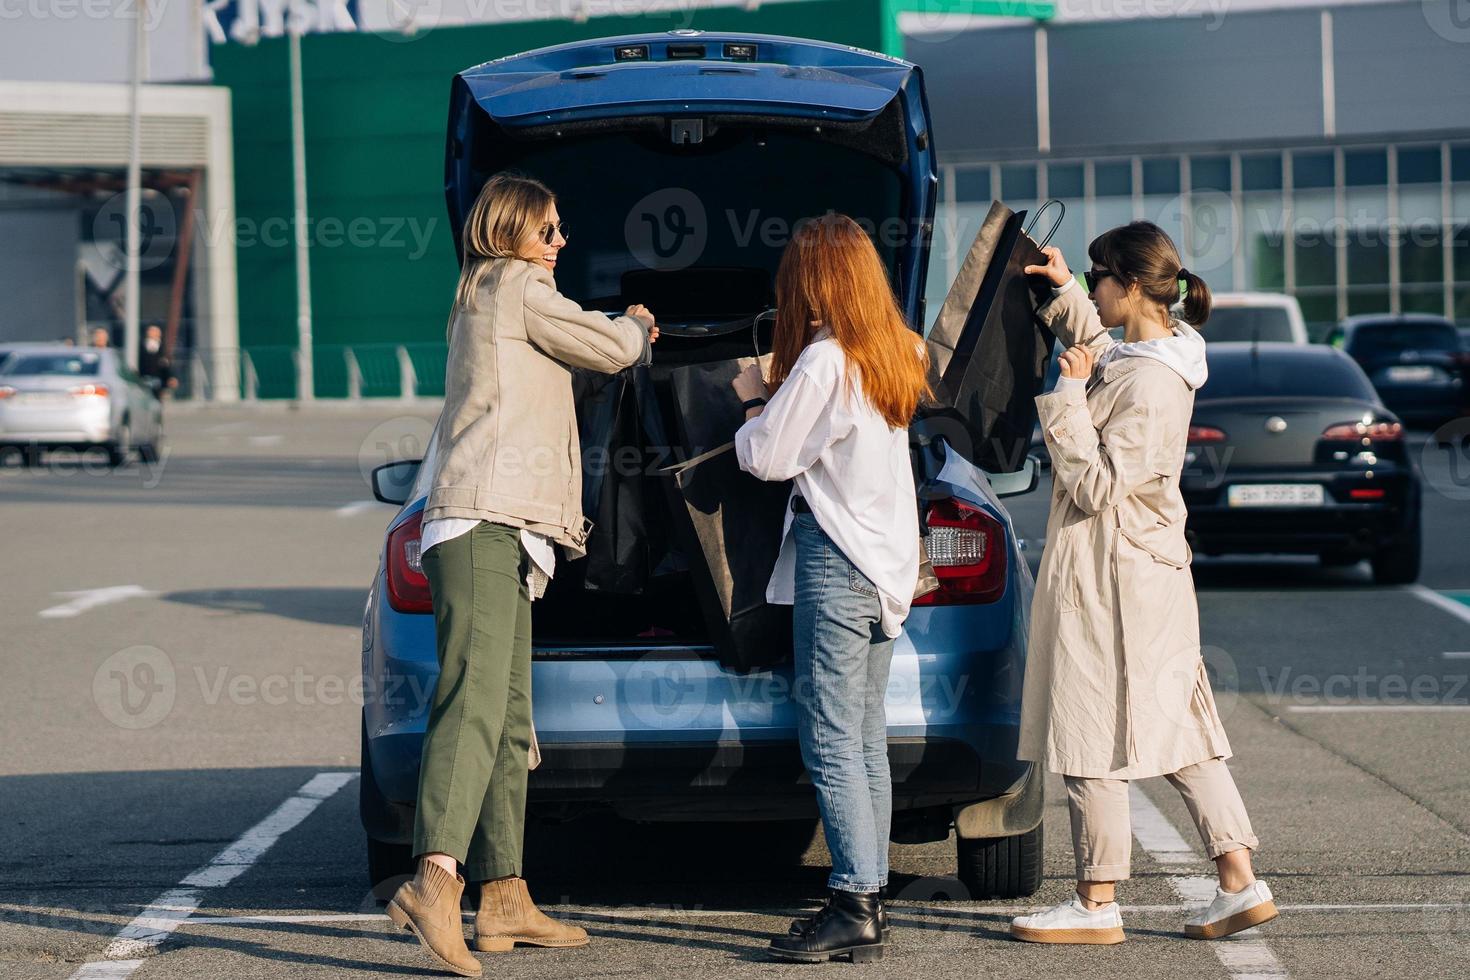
1231	912
1071	922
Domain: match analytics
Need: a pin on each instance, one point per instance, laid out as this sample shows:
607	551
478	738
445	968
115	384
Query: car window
80	364
1268	374
1248	323
1372	338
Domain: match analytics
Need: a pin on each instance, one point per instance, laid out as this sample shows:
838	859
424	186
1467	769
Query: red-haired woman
847	374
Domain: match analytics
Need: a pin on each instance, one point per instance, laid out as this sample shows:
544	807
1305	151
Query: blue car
680	158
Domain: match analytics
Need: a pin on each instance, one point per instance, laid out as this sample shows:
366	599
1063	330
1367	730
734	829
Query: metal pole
305	388
134	193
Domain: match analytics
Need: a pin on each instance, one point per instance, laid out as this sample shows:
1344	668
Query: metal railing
340	371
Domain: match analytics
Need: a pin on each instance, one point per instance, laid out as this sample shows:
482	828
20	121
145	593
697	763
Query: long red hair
830	272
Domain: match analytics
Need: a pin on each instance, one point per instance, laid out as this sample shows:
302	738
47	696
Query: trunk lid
674	167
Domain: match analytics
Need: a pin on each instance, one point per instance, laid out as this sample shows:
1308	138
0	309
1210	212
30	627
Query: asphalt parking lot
178	781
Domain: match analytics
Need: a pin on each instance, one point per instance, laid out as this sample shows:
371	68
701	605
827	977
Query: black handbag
730	519
987	349
622	432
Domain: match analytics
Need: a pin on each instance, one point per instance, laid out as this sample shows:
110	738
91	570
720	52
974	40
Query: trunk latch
686	132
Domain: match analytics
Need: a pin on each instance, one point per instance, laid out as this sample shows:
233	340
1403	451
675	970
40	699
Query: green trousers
472	780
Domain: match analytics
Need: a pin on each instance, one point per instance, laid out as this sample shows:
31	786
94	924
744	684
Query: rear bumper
69	425
1339	524
713	781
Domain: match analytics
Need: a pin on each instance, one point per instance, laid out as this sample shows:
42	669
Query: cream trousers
1102	839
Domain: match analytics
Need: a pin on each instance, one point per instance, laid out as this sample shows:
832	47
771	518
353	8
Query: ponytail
1197	298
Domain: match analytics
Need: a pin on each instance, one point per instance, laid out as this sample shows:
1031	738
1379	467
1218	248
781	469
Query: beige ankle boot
508	916
428	906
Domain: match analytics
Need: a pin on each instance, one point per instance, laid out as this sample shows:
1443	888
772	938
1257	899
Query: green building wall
382	260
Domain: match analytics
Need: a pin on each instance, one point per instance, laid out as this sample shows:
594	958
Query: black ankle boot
846	926
798	926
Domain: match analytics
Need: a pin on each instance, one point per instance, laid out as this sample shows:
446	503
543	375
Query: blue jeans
841	675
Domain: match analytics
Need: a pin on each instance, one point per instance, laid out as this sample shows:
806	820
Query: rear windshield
1247	323
1404	336
80	364
1267	374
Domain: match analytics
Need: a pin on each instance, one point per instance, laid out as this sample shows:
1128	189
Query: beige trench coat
1115	685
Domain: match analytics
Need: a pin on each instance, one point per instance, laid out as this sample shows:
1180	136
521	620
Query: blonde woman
848	373
1115	686
506	484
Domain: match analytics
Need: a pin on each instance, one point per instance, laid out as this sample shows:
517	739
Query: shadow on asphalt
329	607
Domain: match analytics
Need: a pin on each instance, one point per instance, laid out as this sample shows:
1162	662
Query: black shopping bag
987	349
622	436
728	518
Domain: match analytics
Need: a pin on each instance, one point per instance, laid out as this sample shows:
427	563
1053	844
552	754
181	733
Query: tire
1000	867
388	864
120	448
1398	564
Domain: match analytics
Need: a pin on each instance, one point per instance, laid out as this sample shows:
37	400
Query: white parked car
80	397
1263	317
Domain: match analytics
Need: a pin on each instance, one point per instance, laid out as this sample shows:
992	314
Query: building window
972	184
1064	180
1018	186
1209	173
1311	170
1260	173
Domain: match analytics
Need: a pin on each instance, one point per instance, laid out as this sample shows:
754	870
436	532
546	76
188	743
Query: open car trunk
680	176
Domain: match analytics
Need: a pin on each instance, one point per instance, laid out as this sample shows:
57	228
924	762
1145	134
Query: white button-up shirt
852	468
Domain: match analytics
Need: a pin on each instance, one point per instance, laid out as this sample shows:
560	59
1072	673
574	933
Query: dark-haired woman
1115	686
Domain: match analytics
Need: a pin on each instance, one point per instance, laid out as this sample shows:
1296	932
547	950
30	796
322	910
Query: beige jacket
508	445
1115	685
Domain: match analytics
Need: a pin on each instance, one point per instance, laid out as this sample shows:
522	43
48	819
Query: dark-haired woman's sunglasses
549	232
1093	277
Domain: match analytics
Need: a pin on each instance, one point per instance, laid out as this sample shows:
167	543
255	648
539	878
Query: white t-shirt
538	547
852	468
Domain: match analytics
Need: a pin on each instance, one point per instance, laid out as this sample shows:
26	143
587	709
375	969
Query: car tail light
1365	431
408	587
967	549
1205	433
89	390
6	391
1367	493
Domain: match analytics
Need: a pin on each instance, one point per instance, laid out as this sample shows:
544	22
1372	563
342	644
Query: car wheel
1000	867
1398	564
121	447
388	864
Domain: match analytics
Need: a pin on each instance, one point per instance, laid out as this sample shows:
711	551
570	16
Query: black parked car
1416	362
1292	451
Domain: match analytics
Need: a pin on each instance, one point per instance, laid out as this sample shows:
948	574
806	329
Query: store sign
247	21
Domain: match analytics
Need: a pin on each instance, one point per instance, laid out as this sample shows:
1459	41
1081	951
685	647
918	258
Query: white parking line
170	910
1245	955
1323	709
1441	602
913	909
1456	654
86	599
356	507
